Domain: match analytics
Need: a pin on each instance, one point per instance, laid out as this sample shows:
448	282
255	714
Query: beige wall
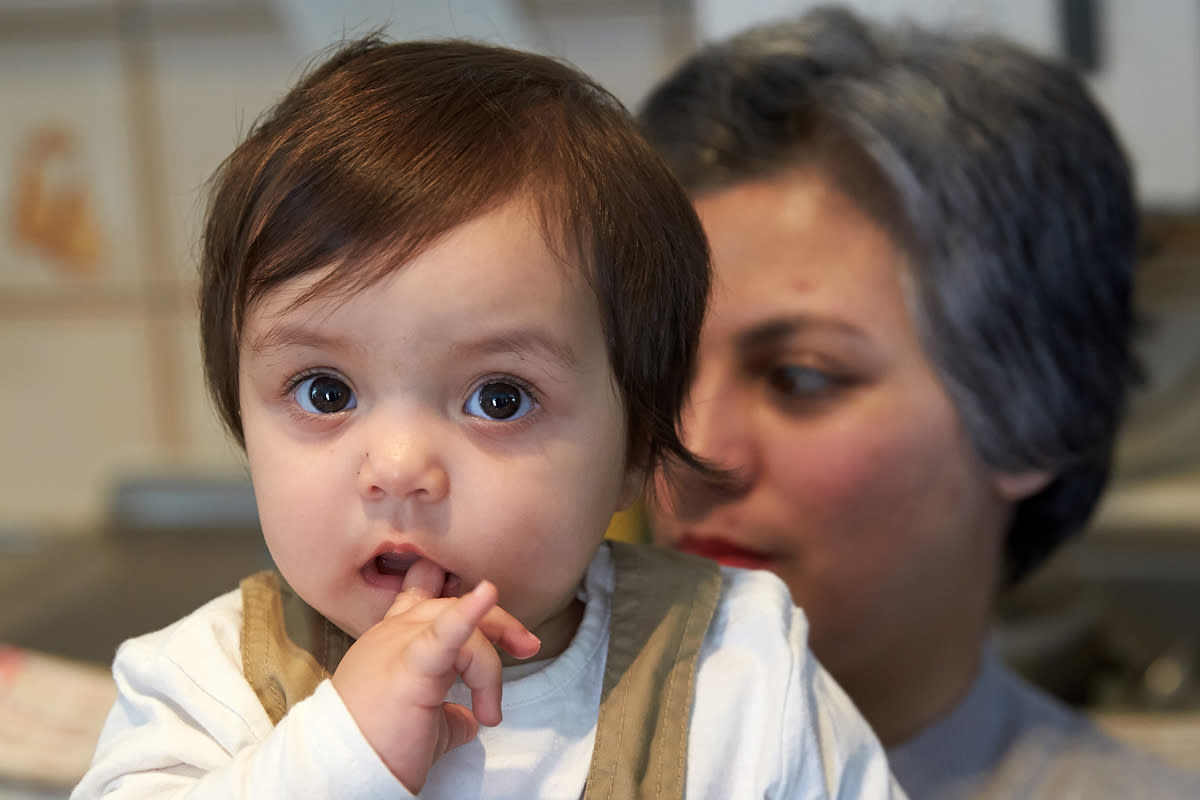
98	343
99	349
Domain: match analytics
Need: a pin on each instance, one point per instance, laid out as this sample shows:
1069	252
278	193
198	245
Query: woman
914	366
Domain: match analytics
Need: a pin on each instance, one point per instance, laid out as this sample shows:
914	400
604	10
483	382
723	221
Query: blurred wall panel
115	116
66	186
1147	74
75	403
116	112
211	90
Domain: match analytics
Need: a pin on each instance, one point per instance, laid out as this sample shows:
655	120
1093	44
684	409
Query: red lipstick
723	552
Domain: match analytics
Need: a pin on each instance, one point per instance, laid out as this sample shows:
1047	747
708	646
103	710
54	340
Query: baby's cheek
517	540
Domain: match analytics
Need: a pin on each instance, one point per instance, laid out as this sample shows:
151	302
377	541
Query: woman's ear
1016	486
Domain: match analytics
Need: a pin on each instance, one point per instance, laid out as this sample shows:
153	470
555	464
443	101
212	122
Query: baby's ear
1016	486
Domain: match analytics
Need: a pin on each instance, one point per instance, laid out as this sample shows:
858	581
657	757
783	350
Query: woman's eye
324	394
499	400
798	381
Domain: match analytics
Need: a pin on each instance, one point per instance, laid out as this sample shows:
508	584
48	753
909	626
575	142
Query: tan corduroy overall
661	608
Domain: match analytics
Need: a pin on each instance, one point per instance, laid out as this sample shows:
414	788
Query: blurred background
122	503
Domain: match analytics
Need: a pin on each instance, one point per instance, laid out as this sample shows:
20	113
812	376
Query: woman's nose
405	458
717	426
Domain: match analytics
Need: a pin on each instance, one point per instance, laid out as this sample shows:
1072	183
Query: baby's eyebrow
278	337
521	342
524	342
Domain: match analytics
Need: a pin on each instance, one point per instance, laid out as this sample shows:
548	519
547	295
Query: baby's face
462	411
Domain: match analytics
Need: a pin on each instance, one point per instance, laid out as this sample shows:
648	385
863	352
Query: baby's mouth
395	563
401	571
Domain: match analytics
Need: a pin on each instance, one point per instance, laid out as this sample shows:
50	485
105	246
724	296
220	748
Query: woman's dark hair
997	174
386	147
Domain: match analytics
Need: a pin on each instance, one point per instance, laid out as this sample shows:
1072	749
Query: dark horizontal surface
81	597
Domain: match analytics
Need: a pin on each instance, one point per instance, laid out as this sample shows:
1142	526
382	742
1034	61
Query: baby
450	303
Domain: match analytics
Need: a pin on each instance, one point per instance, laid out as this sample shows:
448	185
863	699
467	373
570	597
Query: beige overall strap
662	605
287	647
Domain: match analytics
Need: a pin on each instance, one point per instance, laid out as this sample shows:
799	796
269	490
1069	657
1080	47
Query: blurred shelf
81	597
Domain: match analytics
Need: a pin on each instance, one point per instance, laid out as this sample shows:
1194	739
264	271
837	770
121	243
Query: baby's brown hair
386	147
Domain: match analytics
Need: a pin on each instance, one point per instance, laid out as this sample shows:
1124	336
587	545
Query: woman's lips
723	552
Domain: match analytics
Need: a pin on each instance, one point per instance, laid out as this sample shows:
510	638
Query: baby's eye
324	394
499	400
799	381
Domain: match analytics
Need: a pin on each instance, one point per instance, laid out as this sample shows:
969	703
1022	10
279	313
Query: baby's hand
395	677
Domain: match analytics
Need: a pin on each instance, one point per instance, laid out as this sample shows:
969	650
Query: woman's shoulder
1008	738
1069	754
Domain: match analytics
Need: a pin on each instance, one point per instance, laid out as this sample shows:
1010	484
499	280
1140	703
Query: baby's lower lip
723	552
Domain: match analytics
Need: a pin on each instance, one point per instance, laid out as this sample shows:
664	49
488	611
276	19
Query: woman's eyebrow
778	329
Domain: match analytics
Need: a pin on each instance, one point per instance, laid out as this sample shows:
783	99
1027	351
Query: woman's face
854	479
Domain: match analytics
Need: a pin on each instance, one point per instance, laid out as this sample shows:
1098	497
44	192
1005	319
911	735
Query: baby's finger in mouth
425	578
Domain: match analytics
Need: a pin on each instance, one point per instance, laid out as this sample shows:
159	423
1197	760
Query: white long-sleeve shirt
767	720
1008	740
